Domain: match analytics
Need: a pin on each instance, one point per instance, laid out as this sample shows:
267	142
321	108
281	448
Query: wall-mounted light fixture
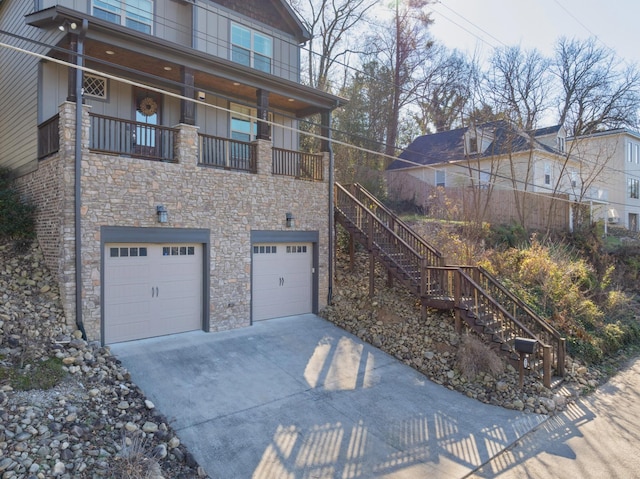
163	215
290	221
68	26
202	96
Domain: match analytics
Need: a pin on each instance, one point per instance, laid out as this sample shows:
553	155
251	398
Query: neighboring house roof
449	146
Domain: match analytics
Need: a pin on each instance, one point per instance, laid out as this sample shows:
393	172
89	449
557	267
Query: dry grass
135	461
475	357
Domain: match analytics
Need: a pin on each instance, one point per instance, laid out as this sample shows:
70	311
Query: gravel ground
391	320
96	422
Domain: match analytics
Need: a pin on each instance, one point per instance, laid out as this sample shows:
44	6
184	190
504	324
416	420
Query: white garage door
282	280
151	290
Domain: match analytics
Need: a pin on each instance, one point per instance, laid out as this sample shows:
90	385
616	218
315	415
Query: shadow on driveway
298	397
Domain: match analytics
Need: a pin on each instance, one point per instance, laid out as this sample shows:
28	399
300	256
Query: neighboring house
492	160
615	155
168	215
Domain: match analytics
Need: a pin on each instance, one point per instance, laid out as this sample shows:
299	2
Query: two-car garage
155	281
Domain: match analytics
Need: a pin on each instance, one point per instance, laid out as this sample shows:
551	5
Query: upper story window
473	144
547	174
440	178
629	152
134	14
561	144
251	48
633	185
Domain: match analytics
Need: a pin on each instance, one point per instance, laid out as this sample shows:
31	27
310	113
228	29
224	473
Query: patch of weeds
36	375
135	460
475	357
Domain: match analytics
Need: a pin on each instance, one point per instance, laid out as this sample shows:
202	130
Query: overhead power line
253	118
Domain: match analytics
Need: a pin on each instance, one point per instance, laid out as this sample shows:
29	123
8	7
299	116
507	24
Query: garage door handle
281	281
155	292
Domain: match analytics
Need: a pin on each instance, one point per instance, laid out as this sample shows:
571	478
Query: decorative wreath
148	106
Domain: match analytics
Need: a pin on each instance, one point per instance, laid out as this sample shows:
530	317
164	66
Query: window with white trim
440	178
94	86
561	144
629	152
134	14
573	176
633	185
251	48
547	174
485	179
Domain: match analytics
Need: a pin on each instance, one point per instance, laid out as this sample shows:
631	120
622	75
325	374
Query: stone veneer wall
51	188
120	191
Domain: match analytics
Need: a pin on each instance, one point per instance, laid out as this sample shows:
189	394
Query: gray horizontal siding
19	86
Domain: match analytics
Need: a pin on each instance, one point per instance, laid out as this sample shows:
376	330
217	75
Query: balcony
131	139
227	154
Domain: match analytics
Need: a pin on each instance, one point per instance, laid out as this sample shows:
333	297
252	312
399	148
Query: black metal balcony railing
304	166
227	154
48	137
132	138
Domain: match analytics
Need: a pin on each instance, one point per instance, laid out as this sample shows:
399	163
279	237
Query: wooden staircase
476	297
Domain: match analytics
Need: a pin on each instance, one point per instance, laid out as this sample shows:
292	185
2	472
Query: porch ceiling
124	62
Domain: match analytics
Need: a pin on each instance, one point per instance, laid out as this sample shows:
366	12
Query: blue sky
537	23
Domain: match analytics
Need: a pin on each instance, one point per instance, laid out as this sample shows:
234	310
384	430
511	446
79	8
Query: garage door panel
282	280
157	293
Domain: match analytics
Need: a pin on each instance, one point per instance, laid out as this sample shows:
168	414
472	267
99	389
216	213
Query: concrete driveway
298	397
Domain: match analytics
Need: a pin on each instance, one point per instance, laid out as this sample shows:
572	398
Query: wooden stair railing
478	298
395	224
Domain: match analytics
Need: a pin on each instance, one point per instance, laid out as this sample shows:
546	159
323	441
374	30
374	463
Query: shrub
17	218
475	357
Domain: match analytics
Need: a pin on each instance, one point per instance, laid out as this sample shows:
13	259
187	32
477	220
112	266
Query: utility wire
296	130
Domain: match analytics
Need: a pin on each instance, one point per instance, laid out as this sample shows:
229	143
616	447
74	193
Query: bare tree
519	84
447	90
402	46
332	24
597	90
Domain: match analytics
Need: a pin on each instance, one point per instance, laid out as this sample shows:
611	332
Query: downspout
331	206
77	180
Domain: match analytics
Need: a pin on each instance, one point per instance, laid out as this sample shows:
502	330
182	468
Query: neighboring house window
561	144
251	48
134	14
629	152
634	188
574	178
485	179
94	86
473	145
636	153
547	174
440	178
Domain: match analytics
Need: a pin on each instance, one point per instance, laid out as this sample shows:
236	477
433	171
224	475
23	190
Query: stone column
264	159
187	144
